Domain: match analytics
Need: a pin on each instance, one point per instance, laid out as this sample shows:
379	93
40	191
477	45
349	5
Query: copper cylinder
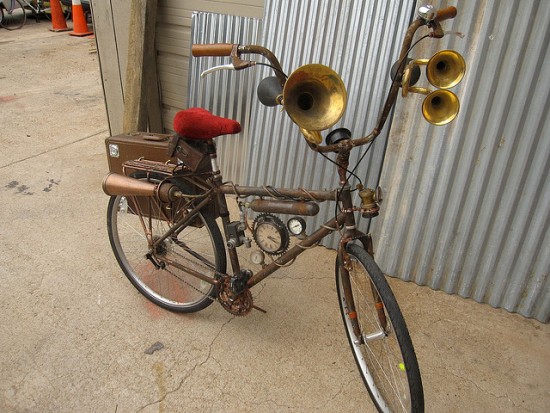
285	207
168	192
116	184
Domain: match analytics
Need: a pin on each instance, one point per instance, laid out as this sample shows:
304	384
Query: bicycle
15	16
163	215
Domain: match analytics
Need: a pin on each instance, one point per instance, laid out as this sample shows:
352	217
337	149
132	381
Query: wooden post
141	94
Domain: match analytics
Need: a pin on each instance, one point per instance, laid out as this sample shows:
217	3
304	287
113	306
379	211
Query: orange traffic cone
79	21
58	20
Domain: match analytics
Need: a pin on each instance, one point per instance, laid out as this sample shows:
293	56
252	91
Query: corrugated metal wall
225	93
467	205
358	40
467	208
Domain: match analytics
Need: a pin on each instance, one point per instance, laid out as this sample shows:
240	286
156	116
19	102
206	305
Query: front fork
351	233
346	266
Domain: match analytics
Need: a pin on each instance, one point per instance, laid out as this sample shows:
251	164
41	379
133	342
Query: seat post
213	155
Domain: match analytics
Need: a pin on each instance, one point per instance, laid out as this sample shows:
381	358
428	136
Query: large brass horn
445	69
314	97
440	107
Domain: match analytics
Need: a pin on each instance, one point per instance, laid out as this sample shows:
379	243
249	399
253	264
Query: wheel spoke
193	256
380	351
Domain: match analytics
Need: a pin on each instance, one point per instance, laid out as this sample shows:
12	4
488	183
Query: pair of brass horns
444	70
314	96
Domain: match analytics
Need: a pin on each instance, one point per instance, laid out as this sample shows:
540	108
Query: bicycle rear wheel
12	15
381	346
198	246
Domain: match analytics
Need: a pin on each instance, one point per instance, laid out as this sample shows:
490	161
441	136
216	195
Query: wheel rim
13	19
377	352
171	286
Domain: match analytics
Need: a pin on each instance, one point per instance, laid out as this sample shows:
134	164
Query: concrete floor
74	332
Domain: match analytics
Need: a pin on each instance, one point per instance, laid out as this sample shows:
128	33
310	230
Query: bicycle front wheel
197	247
378	335
12	14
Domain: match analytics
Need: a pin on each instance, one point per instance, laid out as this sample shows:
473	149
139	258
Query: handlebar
234	51
428	16
445	14
218	49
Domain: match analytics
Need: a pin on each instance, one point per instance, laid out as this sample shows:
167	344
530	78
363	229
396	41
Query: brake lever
228	66
237	64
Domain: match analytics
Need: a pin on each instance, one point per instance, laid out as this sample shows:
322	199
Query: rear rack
151	166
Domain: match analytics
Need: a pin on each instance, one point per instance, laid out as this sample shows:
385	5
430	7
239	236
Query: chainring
237	304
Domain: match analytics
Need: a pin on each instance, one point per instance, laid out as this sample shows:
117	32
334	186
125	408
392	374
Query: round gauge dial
296	226
270	234
257	257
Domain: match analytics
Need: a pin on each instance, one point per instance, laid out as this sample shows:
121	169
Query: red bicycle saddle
198	123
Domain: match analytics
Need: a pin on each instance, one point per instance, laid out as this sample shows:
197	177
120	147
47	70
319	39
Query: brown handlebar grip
445	14
218	49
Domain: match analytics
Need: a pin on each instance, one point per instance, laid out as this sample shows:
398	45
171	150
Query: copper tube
116	184
285	207
278	192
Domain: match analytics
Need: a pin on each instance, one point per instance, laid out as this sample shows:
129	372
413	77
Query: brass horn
314	97
445	69
440	107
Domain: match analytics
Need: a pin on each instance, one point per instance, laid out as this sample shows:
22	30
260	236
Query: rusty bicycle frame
344	221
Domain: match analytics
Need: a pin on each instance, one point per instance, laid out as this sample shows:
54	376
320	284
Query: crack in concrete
163	398
497	396
190	373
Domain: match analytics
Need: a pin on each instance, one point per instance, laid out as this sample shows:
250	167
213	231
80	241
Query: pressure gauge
270	234
296	226
257	257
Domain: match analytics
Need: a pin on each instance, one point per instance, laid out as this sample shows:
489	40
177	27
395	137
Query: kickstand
259	309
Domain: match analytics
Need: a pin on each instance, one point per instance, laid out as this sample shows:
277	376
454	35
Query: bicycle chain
205	267
239	306
192	286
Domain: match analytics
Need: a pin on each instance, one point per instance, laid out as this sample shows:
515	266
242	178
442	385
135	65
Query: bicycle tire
385	357
198	245
14	19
